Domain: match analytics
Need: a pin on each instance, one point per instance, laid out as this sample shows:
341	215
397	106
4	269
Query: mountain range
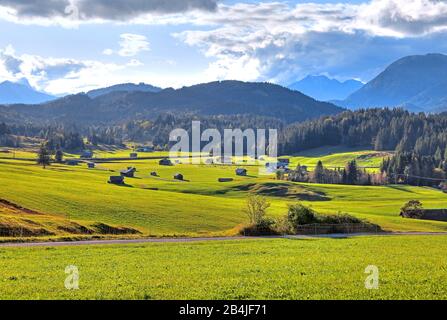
21	92
214	98
325	89
417	83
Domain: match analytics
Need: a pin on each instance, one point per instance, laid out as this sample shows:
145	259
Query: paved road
185	240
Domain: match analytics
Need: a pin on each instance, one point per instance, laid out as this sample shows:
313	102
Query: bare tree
256	209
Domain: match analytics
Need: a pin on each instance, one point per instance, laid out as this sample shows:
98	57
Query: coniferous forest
418	140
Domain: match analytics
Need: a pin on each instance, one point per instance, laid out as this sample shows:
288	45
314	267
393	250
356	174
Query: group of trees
351	174
6	137
378	129
419	140
297	216
415	169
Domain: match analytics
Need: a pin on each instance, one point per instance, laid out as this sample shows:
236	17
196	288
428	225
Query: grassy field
200	205
65	201
339	156
410	267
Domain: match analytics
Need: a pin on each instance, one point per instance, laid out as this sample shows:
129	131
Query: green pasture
410	267
199	205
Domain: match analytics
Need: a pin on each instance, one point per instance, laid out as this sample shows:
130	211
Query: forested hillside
379	129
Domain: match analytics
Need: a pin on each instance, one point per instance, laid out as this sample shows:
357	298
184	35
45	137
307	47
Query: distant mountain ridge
325	89
214	98
417	83
125	87
21	92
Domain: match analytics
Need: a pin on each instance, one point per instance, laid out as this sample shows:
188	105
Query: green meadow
62	198
200	205
410	267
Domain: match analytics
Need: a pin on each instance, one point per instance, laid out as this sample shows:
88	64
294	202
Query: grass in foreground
410	268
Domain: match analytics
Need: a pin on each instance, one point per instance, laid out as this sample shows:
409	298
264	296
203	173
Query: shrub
412	209
300	215
256	209
340	218
262	228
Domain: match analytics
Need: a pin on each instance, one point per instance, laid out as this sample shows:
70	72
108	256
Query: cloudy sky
68	46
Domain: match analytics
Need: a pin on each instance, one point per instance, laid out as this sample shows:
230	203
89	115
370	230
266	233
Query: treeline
156	132
378	129
351	174
6	137
414	169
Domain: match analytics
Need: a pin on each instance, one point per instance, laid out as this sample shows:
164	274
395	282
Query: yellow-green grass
335	157
81	194
410	267
200	205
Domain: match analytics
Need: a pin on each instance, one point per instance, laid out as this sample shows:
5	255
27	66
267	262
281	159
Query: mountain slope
215	98
415	82
12	92
325	89
126	87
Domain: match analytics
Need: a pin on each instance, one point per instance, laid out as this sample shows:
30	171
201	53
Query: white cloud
62	75
107	52
274	41
135	63
132	44
278	42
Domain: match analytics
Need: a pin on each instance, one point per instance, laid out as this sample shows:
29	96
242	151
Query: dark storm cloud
38	8
105	9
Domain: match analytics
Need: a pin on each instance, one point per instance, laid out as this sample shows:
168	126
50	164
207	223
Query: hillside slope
124	87
415	82
325	89
215	98
11	93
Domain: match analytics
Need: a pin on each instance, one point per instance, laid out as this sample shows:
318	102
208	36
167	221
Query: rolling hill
215	98
416	82
21	92
325	89
125	87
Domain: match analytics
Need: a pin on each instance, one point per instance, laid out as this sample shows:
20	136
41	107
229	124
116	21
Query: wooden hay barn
72	162
87	154
179	176
165	162
91	165
116	180
129	172
241	172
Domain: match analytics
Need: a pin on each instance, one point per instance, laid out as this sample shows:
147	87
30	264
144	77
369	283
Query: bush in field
300	215
256	211
412	209
340	218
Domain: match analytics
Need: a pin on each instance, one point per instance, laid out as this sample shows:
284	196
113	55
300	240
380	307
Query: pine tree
438	157
352	172
319	173
59	157
43	156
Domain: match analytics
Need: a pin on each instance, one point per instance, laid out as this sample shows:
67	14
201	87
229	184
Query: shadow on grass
124	185
400	188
